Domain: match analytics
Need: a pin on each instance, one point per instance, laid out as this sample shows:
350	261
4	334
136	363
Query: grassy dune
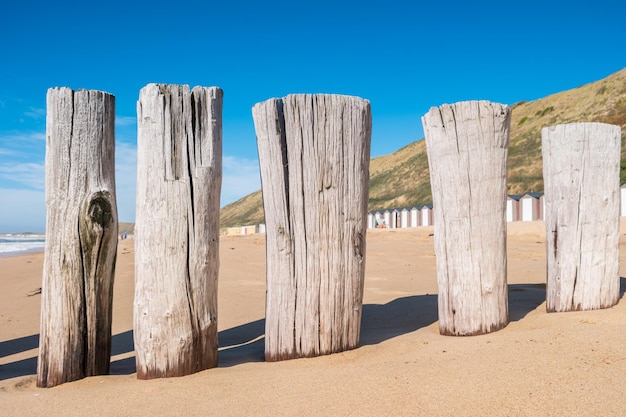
402	179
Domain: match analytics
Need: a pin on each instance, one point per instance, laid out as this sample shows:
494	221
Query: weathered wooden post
314	156
179	178
581	165
467	145
81	236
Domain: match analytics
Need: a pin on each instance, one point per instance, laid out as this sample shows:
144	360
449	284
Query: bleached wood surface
81	236
179	174
314	155
467	146
581	171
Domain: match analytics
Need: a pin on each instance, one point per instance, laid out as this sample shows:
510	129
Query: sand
540	364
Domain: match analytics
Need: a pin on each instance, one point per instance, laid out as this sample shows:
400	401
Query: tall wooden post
179	177
467	145
81	236
581	166
314	155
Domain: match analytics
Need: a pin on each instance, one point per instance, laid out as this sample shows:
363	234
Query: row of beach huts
525	207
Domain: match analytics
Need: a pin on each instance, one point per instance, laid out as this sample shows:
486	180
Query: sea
12	244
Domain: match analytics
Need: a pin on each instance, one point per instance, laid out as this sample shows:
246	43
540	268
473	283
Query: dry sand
540	364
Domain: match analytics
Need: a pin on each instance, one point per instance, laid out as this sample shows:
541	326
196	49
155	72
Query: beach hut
404	218
531	206
370	220
414	217
386	219
262	228
427	215
392	219
395	219
249	229
513	209
233	231
377	219
622	193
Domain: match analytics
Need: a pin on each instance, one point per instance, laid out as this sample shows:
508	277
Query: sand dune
540	364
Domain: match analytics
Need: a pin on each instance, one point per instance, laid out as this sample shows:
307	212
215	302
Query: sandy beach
540	364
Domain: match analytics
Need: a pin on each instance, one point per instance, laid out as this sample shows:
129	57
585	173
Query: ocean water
18	244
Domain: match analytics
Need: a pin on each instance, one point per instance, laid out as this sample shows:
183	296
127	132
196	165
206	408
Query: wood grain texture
81	236
581	167
179	175
467	147
314	156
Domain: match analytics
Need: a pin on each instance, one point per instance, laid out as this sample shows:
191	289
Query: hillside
601	101
402	179
128	228
246	210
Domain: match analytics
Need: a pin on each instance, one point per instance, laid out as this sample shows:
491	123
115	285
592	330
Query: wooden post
179	177
314	155
81	236
467	145
581	165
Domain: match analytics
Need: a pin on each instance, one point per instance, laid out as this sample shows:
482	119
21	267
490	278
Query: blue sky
402	56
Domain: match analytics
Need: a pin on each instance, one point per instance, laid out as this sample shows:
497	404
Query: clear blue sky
402	56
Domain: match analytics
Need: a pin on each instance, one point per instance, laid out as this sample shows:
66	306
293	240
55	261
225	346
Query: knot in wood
100	211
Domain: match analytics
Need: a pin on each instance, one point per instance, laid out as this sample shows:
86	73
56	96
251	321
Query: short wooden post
581	166
314	154
467	146
81	236
179	176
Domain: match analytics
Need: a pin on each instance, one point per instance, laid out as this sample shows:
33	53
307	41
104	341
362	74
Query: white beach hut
531	206
404	218
395	218
370	220
386	218
513	210
427	215
414	217
379	217
250	229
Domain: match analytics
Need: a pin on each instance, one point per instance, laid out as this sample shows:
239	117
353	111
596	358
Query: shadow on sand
120	343
22	367
18	368
241	344
403	315
524	298
245	343
11	347
407	314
